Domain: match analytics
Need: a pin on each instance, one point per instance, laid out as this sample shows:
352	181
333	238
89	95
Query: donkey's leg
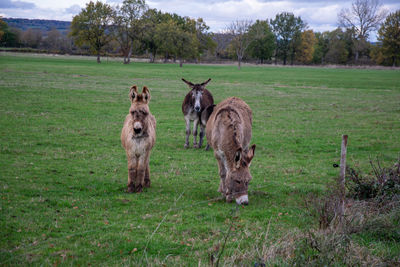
141	172
187	131
147	177
132	174
195	124
208	147
222	174
147	173
202	131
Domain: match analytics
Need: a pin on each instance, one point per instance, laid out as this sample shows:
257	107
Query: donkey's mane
234	121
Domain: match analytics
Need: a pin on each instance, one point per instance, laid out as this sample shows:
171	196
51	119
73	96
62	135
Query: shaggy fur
229	132
138	137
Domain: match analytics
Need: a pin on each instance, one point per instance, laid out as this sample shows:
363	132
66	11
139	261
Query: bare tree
241	40
222	40
363	17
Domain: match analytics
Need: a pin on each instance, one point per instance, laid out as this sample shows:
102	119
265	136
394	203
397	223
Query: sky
218	14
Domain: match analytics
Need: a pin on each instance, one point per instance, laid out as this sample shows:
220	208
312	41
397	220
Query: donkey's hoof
186	146
207	147
139	189
195	145
131	189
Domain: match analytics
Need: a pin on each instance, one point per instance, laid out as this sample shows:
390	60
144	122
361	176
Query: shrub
383	183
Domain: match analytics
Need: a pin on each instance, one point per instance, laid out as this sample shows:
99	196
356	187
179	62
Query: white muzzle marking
242	200
137	125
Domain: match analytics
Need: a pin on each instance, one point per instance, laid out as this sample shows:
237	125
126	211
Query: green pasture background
63	171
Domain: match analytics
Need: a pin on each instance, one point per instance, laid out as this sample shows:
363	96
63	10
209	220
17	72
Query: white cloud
319	15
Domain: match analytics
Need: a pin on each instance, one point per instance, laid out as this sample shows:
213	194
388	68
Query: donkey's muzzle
137	130
197	109
242	200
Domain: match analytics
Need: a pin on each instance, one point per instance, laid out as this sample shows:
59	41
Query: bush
383	183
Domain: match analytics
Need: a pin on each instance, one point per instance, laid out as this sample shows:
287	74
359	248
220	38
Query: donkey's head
197	93
139	110
239	176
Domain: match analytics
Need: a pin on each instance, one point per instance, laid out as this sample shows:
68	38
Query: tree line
133	28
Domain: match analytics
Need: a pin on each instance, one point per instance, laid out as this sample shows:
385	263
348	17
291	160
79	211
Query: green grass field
63	171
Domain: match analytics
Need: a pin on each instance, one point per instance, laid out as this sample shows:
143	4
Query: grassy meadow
63	171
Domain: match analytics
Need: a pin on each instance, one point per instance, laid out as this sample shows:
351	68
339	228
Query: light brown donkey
138	137
228	132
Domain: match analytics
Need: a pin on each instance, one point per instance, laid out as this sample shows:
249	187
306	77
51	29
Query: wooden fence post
343	153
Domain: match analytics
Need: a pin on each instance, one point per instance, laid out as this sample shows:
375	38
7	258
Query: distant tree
306	47
377	56
187	45
3	28
239	30
165	38
363	17
54	40
321	47
204	38
338	52
222	41
176	37
150	19
262	44
128	25
287	29
32	38
90	27
9	37
389	35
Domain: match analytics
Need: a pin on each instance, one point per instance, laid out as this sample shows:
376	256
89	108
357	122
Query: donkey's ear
146	94
250	154
238	157
191	85
205	83
133	93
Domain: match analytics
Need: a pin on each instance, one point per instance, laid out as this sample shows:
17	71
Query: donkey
138	137
229	132
197	107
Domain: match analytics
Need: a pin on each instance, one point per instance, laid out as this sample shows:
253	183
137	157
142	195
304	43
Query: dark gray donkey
197	107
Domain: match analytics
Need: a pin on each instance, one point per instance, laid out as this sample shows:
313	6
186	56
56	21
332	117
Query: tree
165	38
204	38
9	37
363	17
150	19
338	51
321	47
389	35
262	44
176	37
239	29
127	25
306	47
53	40
186	45
222	41
3	29
90	27
32	38
287	29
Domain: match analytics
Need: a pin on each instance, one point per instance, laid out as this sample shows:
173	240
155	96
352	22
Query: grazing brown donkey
199	100
138	137
229	133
